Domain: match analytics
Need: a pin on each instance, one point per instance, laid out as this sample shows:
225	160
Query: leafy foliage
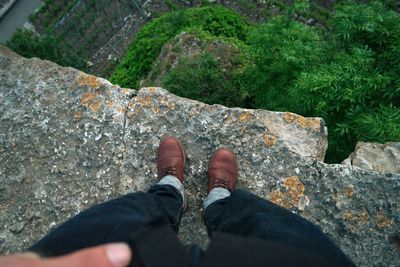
207	81
215	20
357	91
282	50
48	47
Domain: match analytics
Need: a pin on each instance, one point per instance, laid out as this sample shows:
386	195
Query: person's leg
240	212
113	221
117	220
243	213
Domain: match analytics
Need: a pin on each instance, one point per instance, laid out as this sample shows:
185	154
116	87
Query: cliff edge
69	140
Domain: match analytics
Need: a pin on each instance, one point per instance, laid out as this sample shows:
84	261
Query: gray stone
69	140
374	156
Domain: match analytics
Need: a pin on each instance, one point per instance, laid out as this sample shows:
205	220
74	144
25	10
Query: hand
111	255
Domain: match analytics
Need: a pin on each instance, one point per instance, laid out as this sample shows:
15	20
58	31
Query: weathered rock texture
69	140
378	157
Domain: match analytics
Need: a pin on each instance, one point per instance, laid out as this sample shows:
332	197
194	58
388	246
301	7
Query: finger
20	260
111	255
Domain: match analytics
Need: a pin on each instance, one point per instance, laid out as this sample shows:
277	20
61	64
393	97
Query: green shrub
216	20
207	81
48	47
351	79
357	91
282	49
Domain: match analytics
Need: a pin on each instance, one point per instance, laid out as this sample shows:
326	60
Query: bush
214	75
48	47
206	79
282	49
357	91
351	80
216	20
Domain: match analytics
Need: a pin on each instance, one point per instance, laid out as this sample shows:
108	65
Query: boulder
69	140
378	157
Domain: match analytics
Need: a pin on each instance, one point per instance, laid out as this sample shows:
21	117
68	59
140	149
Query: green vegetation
216	20
215	73
48	47
52	10
345	69
73	30
347	73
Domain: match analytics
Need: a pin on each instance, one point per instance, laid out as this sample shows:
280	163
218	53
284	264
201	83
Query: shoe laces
171	170
221	182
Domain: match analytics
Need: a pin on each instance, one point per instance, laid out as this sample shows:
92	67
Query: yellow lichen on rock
245	116
269	139
306	123
78	115
349	191
381	220
356	218
152	90
95	105
88	97
90	100
88	80
145	101
293	196
171	105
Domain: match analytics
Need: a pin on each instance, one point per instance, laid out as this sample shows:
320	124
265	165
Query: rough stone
69	140
378	157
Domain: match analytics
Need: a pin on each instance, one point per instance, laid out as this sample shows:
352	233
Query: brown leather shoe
170	158
223	170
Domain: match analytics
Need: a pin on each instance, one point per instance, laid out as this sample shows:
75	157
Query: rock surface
69	140
378	157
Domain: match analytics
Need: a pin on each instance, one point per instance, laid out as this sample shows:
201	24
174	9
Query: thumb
111	255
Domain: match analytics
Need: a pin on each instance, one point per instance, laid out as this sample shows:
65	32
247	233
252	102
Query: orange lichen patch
110	103
144	101
381	220
88	97
90	100
88	80
276	197
356	218
95	105
245	116
152	90
307	123
156	109
124	90
293	196
289	117
122	110
78	116
293	184
171	105
349	191
269	139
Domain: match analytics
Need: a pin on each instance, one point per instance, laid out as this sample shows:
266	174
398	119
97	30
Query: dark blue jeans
242	214
113	221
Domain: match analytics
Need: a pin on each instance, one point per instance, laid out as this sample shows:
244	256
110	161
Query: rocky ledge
69	140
